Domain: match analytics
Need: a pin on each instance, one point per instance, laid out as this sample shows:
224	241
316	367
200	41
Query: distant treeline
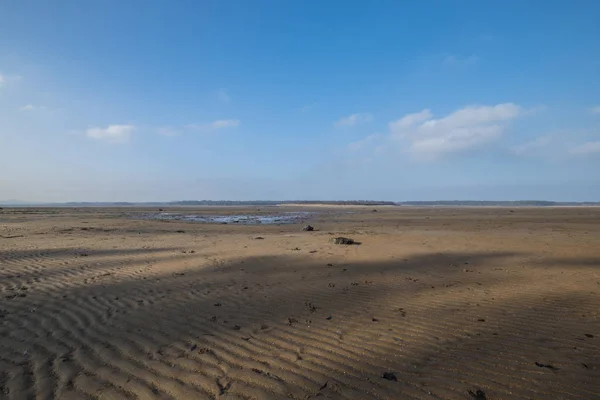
347	202
204	203
523	203
271	203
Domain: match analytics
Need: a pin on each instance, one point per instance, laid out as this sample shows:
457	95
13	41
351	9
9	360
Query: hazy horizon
266	202
114	101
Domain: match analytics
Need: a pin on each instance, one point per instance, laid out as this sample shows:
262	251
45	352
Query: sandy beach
435	303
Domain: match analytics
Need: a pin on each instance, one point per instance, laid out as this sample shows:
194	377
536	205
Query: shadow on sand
444	325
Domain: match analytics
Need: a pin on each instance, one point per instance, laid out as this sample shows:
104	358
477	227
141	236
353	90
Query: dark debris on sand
478	394
550	367
390	376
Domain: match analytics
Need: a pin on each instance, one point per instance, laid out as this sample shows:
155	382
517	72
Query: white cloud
223	96
225	123
112	133
31	107
409	120
586	149
359	145
455	140
5	79
474	115
595	110
463	129
459	61
215	125
354	119
559	145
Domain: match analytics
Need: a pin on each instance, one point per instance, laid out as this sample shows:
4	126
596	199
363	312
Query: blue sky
157	100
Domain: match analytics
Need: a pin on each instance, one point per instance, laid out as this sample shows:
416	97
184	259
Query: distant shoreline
344	204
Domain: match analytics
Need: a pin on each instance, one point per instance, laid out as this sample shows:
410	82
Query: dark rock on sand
390	376
308	228
342	240
478	394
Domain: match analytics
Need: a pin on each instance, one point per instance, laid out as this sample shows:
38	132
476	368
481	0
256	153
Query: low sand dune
445	303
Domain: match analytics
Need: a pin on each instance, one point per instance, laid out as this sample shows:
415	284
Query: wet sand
435	303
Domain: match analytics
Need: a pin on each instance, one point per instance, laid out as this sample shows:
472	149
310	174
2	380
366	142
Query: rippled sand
463	303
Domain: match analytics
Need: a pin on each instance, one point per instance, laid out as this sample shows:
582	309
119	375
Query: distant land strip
452	203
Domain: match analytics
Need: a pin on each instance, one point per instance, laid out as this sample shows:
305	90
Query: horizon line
16	203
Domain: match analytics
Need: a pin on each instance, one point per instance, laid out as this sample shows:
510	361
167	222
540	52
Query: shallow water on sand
244	219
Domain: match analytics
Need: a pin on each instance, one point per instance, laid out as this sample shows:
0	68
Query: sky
161	100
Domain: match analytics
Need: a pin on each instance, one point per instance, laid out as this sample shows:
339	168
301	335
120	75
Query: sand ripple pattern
162	322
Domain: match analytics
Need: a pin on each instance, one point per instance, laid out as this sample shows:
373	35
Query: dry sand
97	305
